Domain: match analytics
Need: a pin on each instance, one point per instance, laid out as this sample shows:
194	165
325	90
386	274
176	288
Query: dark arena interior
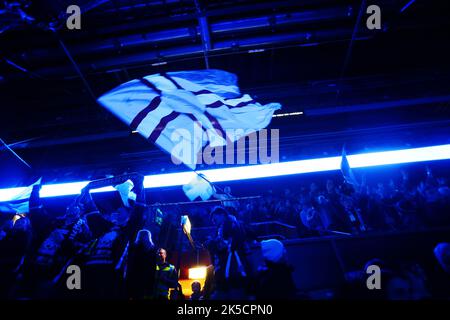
224	150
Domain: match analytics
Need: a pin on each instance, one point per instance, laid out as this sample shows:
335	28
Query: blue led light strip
440	152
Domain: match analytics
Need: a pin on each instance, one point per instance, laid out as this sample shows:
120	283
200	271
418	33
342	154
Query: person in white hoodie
274	280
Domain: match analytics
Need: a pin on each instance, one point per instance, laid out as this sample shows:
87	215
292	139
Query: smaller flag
125	192
20	202
346	170
198	187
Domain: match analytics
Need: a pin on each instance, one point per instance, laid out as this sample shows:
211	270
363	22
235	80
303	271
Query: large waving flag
182	112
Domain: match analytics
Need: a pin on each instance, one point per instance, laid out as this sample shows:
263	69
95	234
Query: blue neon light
440	152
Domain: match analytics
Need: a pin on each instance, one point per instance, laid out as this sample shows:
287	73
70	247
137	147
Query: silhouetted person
229	252
177	293
141	267
103	267
196	290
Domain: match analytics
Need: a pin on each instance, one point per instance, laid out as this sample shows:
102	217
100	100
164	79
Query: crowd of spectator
121	254
338	206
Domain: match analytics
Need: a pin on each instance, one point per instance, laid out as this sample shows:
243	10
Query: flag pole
75	65
4	145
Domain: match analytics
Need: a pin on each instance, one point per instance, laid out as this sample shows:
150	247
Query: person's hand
138	182
84	191
37	188
85	196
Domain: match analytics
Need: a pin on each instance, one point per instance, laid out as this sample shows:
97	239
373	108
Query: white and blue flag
189	108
